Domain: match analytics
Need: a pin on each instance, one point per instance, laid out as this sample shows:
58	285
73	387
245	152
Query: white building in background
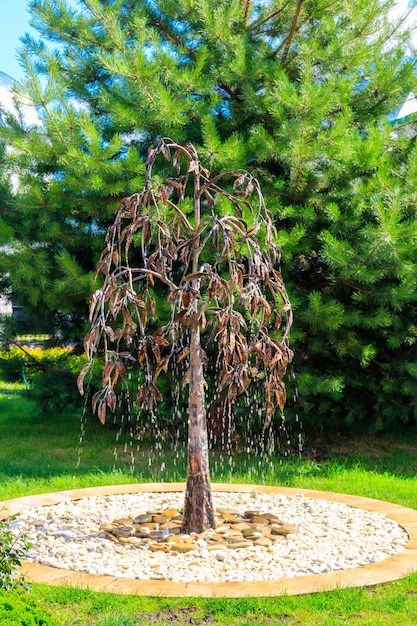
408	107
30	118
6	307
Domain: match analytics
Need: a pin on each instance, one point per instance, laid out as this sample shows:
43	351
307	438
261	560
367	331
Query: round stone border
390	569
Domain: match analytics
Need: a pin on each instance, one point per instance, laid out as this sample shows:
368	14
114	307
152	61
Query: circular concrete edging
393	568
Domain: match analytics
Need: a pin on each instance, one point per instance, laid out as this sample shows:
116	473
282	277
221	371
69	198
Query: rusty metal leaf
147	232
232	392
80	379
101	413
142	354
127	316
154	390
254	231
238	321
152	154
177	160
164	228
166	151
141	396
109	331
155	349
158	339
95	399
111	399
223	321
162	366
186	298
183	354
152	305
121	368
240	180
249	189
232	341
280	395
107	370
91	340
275	359
193	166
194	276
178	316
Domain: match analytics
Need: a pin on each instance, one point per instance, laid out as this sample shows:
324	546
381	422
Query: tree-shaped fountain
212	247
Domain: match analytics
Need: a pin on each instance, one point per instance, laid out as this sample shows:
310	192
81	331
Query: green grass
393	604
40	454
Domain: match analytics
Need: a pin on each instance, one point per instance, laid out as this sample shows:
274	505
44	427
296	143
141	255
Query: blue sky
13	25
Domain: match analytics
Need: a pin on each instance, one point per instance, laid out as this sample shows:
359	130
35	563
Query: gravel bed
330	536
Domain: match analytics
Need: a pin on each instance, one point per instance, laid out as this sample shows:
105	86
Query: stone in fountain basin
392	568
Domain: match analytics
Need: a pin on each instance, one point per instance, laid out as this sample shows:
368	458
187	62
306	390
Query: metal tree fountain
214	251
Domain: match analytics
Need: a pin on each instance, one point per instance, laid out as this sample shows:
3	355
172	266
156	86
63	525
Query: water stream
235	439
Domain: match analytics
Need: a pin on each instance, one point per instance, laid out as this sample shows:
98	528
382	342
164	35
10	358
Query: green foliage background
300	93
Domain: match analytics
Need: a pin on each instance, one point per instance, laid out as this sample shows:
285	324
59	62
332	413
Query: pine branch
247	6
229	91
296	185
173	38
292	31
401	22
262	20
368	21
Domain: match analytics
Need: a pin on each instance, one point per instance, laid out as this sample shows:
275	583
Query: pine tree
299	93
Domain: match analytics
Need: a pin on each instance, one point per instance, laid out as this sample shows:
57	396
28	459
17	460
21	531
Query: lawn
68	451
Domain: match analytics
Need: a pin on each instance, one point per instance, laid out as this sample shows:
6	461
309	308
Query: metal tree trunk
198	508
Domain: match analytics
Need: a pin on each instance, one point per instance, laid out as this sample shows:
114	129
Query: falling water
143	433
83	418
243	435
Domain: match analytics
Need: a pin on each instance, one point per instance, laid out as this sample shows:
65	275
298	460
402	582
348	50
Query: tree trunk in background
198	507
